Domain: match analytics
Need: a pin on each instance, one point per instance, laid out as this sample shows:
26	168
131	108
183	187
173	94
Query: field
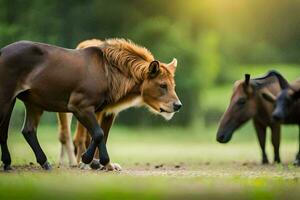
163	162
215	42
168	163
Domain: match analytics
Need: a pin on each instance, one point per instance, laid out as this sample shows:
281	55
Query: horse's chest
123	105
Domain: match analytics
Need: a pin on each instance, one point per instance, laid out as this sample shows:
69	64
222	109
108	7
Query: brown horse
82	82
82	138
288	107
248	101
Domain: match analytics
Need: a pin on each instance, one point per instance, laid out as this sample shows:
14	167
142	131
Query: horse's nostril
177	106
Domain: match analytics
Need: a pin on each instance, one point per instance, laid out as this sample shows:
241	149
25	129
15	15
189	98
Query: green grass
207	169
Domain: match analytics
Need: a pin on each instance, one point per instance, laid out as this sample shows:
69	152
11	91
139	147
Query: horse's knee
29	133
78	143
26	132
79	147
64	137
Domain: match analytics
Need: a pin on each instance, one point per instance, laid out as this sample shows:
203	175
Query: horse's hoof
46	166
84	166
95	164
86	159
277	161
265	162
7	168
73	165
112	167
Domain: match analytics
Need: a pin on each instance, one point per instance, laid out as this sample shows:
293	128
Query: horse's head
285	102
158	90
242	107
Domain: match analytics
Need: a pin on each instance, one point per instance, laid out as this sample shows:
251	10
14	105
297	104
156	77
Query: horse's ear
153	69
247	87
173	65
247	79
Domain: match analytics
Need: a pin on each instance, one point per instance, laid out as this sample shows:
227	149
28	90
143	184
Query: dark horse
55	79
250	101
288	107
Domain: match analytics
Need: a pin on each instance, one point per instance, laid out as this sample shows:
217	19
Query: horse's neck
122	85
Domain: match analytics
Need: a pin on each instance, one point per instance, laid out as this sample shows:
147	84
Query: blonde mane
131	59
127	65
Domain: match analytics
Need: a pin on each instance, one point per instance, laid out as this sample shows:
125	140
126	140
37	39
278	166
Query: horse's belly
54	102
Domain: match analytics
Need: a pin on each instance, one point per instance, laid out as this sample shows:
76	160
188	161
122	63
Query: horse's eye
241	101
163	86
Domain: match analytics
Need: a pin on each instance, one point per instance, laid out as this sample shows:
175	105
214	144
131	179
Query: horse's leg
261	135
33	115
297	161
276	142
95	164
80	138
106	124
106	121
87	118
4	124
64	120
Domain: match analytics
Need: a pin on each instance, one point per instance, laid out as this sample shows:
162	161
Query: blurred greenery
215	41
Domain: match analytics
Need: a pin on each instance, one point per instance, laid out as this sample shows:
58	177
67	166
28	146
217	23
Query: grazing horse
288	107
249	101
82	82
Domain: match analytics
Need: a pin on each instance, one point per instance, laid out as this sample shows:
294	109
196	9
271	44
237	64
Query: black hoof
7	168
46	166
104	161
265	162
277	161
86	159
95	164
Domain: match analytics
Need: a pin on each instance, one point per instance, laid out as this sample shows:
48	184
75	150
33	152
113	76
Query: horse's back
21	55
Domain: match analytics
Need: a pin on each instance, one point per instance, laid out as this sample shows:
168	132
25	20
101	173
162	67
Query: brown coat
83	82
249	101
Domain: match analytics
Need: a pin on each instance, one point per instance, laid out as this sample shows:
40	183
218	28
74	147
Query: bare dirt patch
247	170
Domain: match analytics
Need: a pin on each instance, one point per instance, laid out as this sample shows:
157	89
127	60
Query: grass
150	158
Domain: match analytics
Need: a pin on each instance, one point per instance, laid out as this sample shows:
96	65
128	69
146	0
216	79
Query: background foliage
215	41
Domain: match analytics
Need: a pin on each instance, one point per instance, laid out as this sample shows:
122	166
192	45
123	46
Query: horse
51	78
250	101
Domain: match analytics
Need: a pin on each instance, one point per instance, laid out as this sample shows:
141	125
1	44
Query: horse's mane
126	66
271	77
129	58
89	43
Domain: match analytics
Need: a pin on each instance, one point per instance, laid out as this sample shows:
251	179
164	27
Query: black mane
261	82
